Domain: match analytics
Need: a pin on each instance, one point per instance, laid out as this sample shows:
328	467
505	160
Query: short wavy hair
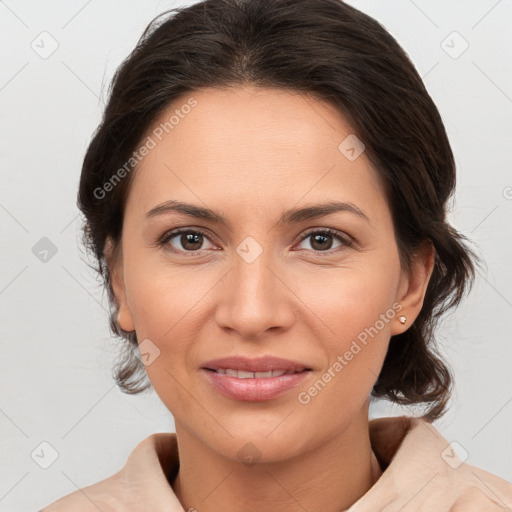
327	49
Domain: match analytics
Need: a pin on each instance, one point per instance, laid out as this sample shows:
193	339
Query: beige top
421	472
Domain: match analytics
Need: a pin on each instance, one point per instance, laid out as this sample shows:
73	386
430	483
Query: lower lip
254	390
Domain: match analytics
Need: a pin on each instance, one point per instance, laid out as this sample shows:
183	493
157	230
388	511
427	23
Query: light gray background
56	348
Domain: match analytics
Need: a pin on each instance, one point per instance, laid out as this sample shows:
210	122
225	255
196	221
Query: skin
252	153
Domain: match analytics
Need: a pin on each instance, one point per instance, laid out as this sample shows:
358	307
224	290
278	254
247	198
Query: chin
260	441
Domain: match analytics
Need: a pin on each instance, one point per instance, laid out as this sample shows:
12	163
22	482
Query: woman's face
261	278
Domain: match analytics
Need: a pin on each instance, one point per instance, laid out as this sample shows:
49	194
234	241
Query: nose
254	299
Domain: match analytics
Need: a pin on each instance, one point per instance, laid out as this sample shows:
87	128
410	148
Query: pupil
191	238
321	238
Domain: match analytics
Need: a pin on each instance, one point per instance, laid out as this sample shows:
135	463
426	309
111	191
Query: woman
266	198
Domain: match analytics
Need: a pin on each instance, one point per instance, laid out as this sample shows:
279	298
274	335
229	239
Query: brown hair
338	54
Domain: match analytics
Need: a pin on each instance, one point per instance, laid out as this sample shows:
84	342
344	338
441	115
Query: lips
245	366
254	380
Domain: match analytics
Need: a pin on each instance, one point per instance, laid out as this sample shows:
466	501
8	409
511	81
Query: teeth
244	375
262	375
241	374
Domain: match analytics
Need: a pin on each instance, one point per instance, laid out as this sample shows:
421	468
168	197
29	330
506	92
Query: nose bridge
254	299
253	278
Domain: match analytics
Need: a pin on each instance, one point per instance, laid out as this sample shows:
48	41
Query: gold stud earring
402	319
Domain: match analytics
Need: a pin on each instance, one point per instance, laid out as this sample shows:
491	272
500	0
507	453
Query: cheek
362	309
350	299
160	293
355	354
357	307
168	308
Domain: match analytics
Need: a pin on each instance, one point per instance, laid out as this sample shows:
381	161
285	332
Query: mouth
255	380
242	374
250	368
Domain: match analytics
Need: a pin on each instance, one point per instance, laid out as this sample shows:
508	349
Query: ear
413	286
114	261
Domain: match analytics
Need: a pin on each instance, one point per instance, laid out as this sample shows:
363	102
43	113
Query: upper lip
258	364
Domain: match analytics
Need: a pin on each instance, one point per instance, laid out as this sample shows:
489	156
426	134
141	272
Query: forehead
252	147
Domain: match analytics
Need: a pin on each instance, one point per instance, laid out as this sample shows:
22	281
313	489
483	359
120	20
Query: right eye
190	240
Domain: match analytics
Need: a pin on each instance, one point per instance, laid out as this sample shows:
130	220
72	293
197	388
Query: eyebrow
291	216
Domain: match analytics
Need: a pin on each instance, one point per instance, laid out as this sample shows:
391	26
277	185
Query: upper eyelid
168	235
330	231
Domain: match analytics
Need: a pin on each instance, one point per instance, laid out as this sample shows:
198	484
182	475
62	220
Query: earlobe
115	267
125	319
414	287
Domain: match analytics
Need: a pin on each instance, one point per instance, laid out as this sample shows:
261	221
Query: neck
330	477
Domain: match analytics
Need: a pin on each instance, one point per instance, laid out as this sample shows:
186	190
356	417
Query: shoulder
452	479
103	495
139	476
140	483
475	486
423	472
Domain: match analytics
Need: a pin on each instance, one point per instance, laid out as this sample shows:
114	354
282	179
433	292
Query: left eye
322	240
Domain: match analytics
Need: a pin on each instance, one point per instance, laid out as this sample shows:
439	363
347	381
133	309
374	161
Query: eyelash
344	239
